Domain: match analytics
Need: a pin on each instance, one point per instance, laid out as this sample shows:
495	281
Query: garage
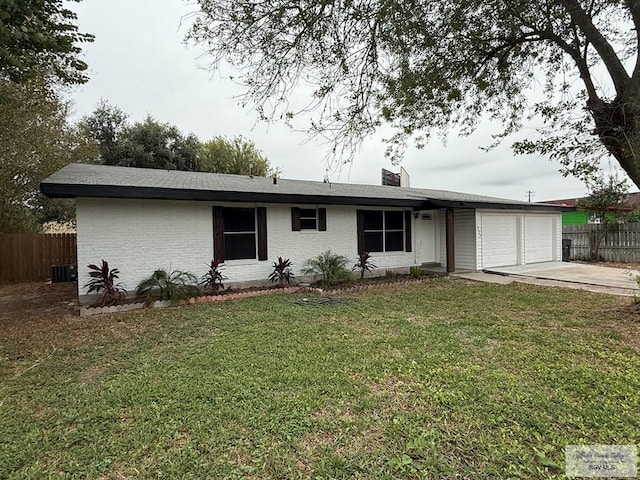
499	236
539	238
508	239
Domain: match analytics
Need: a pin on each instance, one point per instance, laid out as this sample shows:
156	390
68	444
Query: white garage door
499	240
538	238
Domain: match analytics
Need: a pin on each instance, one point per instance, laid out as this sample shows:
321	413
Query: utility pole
530	194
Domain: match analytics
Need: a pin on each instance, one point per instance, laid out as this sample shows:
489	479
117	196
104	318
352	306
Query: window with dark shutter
407	231
308	219
295	219
383	231
239	233
322	219
218	234
262	233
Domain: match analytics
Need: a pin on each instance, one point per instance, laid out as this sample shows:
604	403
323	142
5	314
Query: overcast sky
140	63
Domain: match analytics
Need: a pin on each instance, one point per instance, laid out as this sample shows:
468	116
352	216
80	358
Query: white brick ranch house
140	220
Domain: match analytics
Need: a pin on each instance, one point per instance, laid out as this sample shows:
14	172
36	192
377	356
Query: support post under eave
450	240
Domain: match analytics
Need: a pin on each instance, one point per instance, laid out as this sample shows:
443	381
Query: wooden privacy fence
27	257
620	243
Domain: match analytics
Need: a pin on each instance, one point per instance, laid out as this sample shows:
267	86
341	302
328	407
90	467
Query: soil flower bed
234	294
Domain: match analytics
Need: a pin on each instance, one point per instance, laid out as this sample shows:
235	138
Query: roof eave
58	190
495	205
66	190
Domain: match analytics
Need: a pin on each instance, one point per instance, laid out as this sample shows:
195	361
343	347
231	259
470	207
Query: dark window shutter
218	234
262	233
360	227
322	219
407	230
295	219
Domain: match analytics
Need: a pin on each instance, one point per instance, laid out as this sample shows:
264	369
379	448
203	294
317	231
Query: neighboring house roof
632	200
84	180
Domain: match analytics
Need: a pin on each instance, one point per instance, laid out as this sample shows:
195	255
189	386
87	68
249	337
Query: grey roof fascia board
494	205
58	190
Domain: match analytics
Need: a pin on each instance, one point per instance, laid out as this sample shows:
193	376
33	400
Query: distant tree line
153	144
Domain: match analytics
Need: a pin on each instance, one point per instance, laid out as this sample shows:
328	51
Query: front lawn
443	379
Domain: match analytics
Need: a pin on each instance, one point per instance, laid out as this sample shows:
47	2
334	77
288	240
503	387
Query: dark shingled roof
84	180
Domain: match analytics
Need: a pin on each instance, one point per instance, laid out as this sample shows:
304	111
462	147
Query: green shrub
415	271
329	268
390	274
173	285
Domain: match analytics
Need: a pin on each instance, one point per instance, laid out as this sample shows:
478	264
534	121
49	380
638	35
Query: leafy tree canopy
151	144
146	144
40	35
424	66
36	140
606	195
238	156
105	125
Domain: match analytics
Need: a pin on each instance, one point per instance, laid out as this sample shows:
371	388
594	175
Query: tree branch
634	7
614	66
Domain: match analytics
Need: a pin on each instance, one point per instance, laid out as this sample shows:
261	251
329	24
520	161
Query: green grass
427	381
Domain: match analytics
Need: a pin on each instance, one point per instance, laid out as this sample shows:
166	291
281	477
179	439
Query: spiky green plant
415	271
282	272
103	279
328	267
364	264
212	280
170	285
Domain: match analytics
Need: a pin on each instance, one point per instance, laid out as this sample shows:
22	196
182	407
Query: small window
308	219
239	233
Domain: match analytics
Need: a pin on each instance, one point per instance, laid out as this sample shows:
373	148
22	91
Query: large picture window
239	233
384	231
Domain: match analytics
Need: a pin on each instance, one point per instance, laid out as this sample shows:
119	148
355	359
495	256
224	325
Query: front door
426	236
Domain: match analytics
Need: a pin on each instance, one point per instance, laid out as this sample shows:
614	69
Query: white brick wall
139	236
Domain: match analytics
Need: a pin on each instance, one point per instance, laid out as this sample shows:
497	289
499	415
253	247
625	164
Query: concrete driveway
618	281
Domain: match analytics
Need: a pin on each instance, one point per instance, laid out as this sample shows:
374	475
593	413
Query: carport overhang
436	204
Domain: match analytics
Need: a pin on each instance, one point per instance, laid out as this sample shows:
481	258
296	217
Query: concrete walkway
616	281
